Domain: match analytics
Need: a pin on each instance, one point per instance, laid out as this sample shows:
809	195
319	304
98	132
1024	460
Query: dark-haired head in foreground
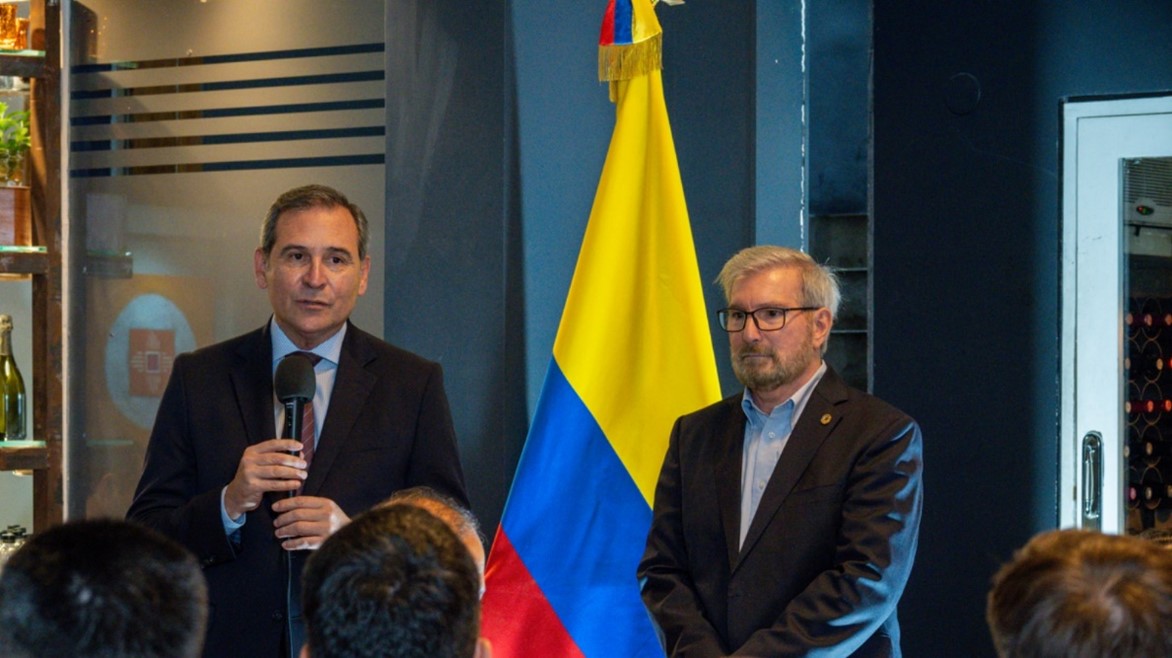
102	588
395	582
1083	594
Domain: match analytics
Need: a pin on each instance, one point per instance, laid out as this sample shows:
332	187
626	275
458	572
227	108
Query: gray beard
780	370
778	374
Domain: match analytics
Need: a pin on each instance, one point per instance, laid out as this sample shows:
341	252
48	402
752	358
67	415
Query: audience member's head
1083	594
102	588
459	518
394	582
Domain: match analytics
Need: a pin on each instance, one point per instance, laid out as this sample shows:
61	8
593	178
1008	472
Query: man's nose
751	332
315	273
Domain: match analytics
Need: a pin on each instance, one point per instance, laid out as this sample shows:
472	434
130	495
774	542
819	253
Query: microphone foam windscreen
294	379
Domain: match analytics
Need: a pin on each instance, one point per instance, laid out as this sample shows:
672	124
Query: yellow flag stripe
646	357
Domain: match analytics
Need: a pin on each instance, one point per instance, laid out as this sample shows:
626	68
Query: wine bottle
1152	490
1152	450
1145	362
1133	484
12	399
1140	442
1150	403
1131	319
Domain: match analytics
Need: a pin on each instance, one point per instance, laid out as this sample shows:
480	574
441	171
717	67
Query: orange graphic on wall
151	353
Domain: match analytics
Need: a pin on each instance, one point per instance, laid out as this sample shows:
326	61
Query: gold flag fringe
622	62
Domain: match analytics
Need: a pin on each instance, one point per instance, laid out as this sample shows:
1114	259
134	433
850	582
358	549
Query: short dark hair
105	588
395	581
1083	594
311	196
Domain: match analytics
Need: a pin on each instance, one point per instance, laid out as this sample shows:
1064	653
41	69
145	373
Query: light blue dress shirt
765	439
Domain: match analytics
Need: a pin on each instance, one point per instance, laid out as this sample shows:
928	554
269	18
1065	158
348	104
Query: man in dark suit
786	517
251	506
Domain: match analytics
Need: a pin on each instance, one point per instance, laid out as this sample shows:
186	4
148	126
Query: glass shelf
23	260
23	455
23	63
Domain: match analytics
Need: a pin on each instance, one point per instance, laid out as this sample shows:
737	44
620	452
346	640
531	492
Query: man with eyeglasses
786	516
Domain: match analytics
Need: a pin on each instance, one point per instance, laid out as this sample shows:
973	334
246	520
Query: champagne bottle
12	420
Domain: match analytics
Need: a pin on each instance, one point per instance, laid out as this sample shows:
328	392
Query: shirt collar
329	350
798	399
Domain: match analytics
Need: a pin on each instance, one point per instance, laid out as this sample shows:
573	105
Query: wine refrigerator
1116	425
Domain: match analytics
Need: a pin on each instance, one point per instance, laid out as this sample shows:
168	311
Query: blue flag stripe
572	487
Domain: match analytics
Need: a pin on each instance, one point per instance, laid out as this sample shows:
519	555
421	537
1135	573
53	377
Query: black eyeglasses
769	318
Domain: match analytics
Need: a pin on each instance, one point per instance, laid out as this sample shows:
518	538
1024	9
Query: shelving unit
43	456
841	241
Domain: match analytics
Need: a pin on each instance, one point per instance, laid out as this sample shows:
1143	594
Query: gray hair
819	283
459	518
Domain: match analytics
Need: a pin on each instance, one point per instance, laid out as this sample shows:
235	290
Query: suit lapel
252	383
729	450
352	386
812	429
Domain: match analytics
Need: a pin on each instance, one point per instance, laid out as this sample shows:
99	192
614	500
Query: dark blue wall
966	252
708	81
839	47
453	291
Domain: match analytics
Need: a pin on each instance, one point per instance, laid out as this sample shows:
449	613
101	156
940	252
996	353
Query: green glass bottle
12	399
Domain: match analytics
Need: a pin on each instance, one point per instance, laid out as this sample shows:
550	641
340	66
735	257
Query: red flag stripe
518	619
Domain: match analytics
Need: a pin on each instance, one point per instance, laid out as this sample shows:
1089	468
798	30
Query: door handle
1092	480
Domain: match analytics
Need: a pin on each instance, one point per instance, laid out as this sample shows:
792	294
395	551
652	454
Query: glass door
1146	211
186	120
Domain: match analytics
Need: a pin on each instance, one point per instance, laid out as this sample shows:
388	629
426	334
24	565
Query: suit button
209	561
278	615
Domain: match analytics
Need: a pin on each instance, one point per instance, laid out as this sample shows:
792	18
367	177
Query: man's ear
259	267
822	323
483	648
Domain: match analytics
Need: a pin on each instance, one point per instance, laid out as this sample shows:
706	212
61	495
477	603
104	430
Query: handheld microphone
295	385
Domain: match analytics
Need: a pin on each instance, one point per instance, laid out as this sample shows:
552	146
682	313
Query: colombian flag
632	353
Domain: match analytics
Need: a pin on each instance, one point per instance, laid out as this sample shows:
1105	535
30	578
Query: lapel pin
825	419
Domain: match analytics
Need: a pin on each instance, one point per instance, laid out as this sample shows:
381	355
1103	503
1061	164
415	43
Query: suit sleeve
664	580
167	497
435	457
844	606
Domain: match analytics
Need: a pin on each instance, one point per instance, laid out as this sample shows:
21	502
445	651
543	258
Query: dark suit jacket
828	553
388	427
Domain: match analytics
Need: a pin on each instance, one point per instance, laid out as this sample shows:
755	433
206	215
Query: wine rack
43	455
1148	410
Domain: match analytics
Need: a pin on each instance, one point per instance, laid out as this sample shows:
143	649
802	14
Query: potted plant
15	217
14	143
